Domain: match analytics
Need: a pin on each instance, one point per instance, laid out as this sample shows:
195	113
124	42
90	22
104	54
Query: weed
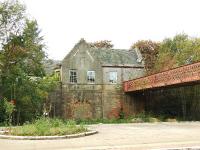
47	127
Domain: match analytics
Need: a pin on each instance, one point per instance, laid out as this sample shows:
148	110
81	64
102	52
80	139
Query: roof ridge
116	50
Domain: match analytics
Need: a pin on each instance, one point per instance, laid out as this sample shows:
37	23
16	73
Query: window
91	76
113	77
73	76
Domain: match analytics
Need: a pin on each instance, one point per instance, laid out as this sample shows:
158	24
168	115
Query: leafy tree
101	44
11	25
32	95
177	51
33	42
12	18
21	57
170	53
165	59
6	110
149	51
190	52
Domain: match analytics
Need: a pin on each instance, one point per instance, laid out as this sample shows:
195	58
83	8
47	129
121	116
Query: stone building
92	81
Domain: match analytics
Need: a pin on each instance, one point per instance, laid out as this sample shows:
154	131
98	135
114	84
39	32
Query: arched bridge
187	74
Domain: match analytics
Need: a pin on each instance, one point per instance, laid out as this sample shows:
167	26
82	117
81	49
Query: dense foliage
169	53
177	51
149	51
6	110
21	68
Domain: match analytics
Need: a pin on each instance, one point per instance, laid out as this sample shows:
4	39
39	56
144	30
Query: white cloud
64	22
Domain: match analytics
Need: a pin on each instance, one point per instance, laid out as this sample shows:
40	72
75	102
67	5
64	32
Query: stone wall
112	103
98	101
81	60
82	101
92	101
56	101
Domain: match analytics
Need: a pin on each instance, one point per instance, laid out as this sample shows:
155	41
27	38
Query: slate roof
113	57
116	56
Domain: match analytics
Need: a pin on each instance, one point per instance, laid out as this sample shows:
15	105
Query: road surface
137	136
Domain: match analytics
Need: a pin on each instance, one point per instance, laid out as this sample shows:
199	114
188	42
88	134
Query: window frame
89	77
73	78
109	77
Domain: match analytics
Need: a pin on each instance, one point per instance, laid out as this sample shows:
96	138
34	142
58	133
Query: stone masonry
99	95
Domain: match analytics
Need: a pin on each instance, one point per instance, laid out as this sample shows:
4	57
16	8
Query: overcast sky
64	22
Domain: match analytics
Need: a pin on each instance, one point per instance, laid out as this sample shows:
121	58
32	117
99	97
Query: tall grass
48	127
138	118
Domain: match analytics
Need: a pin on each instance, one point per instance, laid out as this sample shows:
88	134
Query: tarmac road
137	136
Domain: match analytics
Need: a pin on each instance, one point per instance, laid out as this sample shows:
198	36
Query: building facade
92	81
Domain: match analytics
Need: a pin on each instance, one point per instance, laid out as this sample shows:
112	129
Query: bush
6	110
106	121
138	118
47	127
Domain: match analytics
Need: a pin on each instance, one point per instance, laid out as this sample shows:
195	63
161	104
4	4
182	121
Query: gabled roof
116	56
111	57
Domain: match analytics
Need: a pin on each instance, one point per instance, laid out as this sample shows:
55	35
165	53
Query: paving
138	136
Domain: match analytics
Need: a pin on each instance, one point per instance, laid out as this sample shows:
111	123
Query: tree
149	51
177	51
22	55
26	56
33	42
101	44
12	18
21	58
6	110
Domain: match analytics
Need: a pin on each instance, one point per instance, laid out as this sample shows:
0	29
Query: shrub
47	127
6	110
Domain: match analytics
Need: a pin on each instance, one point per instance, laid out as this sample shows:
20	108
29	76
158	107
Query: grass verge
47	127
139	118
